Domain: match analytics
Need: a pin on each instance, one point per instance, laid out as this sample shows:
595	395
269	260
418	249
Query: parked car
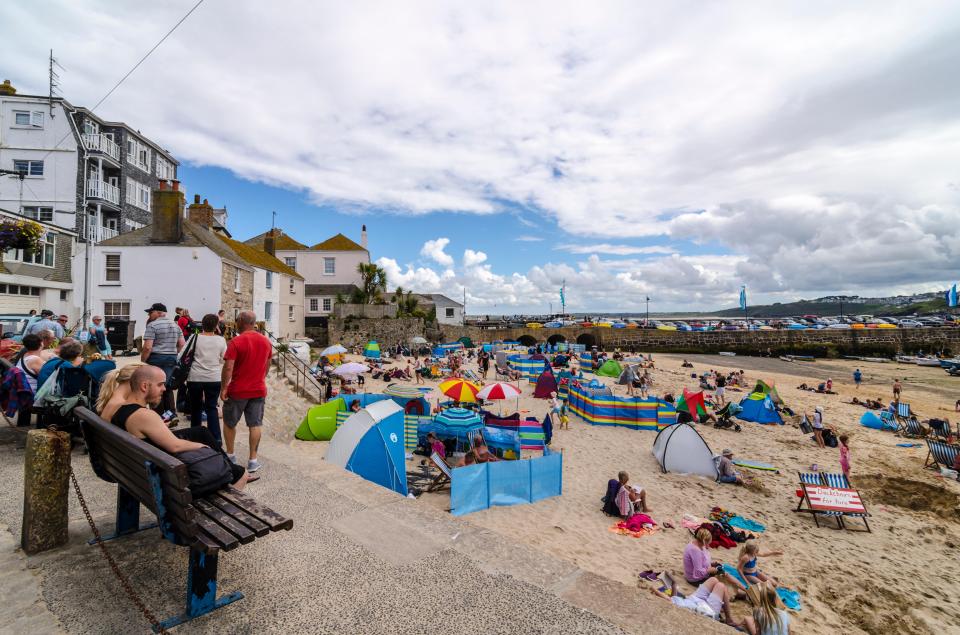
12	325
911	324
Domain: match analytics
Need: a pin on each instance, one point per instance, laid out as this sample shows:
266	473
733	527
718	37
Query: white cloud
528	239
614	250
434	250
473	258
816	144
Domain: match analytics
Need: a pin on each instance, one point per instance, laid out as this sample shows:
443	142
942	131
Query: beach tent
370	444
546	384
371	350
870	419
760	406
692	403
467	342
610	368
680	448
321	421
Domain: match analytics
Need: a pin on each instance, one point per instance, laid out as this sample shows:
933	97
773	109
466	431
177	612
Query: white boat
927	361
906	359
727	354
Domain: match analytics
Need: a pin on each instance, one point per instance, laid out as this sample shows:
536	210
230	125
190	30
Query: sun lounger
941	454
840	481
813	478
911	428
446	474
471	376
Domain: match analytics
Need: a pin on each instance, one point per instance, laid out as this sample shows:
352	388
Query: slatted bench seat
148	476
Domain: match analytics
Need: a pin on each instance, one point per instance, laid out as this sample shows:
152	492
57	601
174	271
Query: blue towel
790	598
746	524
908	445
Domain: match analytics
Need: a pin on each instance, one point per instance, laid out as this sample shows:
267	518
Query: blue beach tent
370	444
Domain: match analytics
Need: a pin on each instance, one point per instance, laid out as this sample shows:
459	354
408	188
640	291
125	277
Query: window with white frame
329	266
236	281
30	168
111	268
314	305
290	262
165	171
327	305
16	289
28	119
116	310
42	256
269	279
138	154
44	214
449	313
138	194
91	127
290	313
293	287
267	310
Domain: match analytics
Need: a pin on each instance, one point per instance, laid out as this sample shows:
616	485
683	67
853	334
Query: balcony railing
103	191
98	233
102	143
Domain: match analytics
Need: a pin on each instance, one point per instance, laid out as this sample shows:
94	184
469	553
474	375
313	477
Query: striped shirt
165	334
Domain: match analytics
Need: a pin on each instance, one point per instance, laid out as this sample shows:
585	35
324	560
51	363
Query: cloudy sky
675	150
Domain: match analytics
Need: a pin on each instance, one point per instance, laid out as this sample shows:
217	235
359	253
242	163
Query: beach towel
637	526
908	445
691	522
745	523
789	597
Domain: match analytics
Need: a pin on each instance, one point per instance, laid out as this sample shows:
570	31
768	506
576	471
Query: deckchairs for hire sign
831	499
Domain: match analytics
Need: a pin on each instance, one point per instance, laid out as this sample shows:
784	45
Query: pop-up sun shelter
371	350
692	403
546	384
321	421
760	406
370	444
680	448
610	368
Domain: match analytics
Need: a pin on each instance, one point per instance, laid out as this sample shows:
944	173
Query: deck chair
813	478
911	428
939	428
840	481
444	477
940	454
471	376
904	418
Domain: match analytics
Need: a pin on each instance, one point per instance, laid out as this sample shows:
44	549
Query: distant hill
832	308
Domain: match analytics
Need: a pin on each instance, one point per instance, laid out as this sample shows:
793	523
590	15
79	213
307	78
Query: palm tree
373	282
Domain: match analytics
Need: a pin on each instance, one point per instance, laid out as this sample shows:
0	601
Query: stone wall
825	342
387	332
364	310
230	300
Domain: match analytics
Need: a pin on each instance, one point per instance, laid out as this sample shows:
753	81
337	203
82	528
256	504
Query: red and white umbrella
498	391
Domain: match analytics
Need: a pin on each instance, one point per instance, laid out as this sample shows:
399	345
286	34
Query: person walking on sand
244	386
857	378
818	426
897	389
845	455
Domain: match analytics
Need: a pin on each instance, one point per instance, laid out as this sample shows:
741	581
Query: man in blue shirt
45	322
857	377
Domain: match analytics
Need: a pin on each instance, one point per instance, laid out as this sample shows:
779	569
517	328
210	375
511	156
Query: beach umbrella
351	368
336	349
403	391
458	423
460	390
418	340
498	390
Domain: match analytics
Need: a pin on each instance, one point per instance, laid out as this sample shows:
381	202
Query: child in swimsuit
747	563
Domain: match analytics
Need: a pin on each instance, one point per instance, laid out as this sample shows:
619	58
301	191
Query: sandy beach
891	580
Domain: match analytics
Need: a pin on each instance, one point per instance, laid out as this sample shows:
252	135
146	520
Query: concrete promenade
360	559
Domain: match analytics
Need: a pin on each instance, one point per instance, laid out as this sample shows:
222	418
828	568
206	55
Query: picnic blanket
637	526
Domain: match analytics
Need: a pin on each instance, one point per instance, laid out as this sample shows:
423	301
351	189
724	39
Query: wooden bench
148	476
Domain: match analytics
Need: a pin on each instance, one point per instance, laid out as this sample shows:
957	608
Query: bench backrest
119	457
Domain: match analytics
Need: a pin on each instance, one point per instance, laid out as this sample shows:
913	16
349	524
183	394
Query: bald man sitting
147	385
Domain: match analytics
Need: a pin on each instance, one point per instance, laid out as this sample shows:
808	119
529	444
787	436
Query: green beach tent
372	350
610	368
321	421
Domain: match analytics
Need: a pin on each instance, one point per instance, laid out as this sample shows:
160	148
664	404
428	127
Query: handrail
303	377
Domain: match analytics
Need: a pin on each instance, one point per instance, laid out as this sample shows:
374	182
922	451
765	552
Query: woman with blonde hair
768	618
115	389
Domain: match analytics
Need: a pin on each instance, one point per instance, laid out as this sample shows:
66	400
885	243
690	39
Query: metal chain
113	563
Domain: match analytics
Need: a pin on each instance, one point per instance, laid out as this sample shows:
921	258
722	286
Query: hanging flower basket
20	234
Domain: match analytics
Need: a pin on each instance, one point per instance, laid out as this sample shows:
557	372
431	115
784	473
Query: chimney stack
167	205
363	237
200	213
270	243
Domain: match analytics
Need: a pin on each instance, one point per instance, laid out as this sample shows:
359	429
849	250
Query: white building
448	311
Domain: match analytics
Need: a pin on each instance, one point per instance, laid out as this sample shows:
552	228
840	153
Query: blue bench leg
201	590
128	517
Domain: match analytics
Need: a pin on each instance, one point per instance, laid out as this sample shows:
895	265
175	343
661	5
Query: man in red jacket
244	391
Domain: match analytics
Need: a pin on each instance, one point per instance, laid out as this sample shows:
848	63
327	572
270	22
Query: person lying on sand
483	454
687	364
711	599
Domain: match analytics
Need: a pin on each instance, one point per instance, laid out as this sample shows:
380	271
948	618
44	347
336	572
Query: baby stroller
724	415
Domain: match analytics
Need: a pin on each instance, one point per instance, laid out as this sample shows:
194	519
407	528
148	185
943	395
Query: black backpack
182	370
207	469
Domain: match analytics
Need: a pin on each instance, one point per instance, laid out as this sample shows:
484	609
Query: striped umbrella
402	391
460	390
498	390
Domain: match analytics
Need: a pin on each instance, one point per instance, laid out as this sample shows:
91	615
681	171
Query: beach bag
184	361
207	469
610	500
805	426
